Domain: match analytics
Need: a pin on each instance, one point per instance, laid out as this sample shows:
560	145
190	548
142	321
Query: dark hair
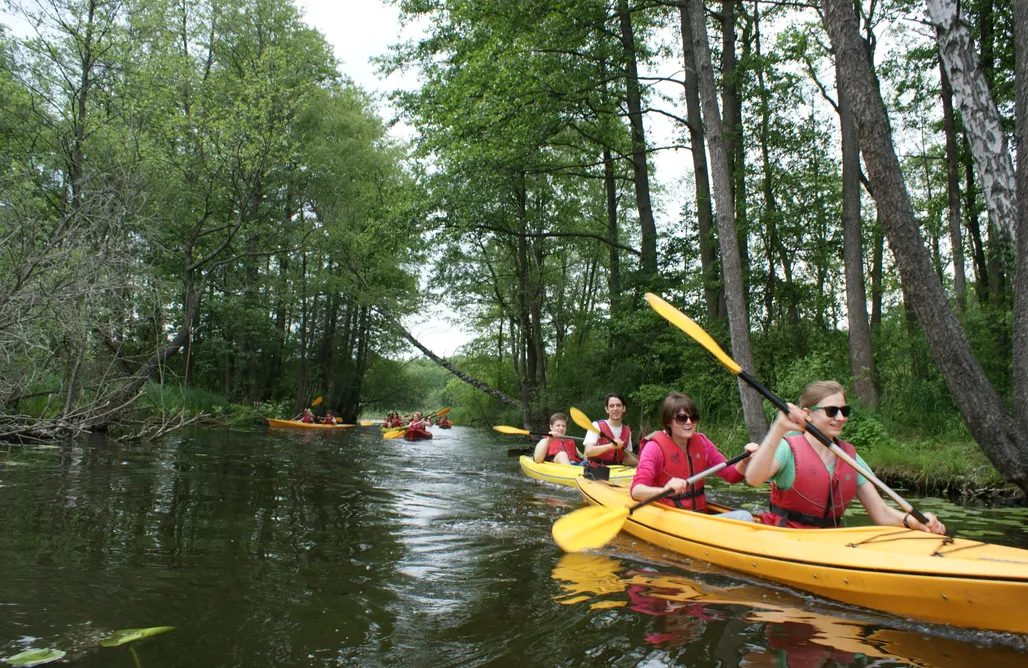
557	417
614	395
674	402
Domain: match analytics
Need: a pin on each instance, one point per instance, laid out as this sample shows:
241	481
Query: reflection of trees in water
214	532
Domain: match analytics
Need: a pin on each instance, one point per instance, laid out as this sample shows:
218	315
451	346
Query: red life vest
562	445
814	501
679	464
614	455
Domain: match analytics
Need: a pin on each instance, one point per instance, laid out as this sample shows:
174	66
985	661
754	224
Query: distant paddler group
308	420
416	428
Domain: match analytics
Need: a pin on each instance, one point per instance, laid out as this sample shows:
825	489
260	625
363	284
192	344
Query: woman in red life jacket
680	452
329	418
810	486
417	427
308	417
555	448
613	445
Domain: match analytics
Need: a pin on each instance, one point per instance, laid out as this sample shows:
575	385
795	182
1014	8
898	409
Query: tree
982	409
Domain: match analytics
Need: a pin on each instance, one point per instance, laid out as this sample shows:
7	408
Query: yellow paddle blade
588	528
316	401
394	434
444	411
366	423
504	429
687	325
582	420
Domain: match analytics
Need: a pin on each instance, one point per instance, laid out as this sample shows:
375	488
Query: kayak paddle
687	325
595	526
316	401
504	429
582	420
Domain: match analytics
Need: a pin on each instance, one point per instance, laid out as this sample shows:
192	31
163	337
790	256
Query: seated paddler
555	448
810	486
679	452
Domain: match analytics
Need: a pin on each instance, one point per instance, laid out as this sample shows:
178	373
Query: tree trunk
470	380
981	269
647	225
949	126
712	293
978	111
1020	326
862	361
753	412
614	275
301	376
981	407
732	124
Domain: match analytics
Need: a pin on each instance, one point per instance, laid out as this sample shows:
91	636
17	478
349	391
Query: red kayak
417	434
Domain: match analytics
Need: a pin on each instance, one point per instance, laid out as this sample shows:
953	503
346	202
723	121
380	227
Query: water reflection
790	632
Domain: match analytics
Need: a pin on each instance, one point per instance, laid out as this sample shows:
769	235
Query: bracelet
905	521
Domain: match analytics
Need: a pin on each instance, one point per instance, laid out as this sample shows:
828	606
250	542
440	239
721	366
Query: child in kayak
329	418
555	448
679	452
810	487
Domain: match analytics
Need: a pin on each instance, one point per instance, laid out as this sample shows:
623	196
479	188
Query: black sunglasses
832	411
684	418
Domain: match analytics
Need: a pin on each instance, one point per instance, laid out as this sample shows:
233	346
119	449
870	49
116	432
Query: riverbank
952	466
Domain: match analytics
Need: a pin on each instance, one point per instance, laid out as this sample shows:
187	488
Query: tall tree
738	321
995	430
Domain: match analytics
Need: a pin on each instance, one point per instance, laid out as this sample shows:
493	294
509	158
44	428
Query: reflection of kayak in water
896	570
604	583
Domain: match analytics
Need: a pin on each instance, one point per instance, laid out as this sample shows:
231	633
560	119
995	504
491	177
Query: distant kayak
296	424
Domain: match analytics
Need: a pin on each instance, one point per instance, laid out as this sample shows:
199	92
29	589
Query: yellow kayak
901	571
296	424
567	474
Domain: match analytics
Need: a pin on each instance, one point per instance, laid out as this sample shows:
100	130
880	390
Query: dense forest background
201	214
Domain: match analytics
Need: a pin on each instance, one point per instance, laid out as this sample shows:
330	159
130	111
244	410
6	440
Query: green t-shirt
786	475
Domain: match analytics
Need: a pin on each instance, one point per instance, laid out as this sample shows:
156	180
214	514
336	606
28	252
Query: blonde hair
818	390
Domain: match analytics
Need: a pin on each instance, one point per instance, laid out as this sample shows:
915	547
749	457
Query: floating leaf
35	657
131	635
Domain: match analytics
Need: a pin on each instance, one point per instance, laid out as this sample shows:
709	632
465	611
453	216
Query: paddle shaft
839	452
539	433
691	481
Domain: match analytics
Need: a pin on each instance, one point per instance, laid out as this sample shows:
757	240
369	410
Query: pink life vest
679	464
814	501
614	455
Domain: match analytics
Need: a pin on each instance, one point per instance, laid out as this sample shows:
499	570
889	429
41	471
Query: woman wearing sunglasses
679	452
810	487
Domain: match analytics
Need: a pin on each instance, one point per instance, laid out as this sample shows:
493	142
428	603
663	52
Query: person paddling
308	417
417	426
555	448
679	452
810	487
329	418
613	445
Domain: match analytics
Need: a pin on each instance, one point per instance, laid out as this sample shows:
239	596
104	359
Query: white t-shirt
592	437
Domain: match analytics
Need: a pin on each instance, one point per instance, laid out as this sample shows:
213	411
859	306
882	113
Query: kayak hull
296	424
567	474
938	579
416	435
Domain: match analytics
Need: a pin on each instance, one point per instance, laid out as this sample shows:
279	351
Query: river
292	548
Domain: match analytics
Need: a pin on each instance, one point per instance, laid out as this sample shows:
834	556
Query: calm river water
288	548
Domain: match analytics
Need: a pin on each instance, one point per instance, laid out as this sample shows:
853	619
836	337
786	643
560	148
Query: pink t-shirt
651	461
